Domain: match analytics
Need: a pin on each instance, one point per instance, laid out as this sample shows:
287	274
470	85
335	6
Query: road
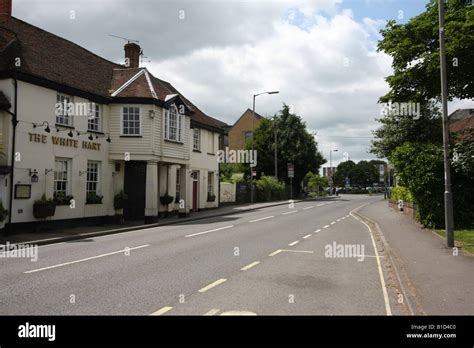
273	261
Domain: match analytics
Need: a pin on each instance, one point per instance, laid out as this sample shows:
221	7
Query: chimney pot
132	54
5	9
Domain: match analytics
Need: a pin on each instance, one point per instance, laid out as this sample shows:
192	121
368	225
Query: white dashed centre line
275	252
162	311
338	220
212	285
326	226
307	236
214	230
320	205
289	212
294	243
317	231
332	223
308	208
250	266
265	218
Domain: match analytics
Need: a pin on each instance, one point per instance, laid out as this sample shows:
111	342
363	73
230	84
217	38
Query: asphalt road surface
314	258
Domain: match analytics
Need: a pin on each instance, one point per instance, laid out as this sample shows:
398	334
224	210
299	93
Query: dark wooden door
135	188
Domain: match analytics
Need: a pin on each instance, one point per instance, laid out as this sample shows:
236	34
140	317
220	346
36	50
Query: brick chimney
5	9
132	54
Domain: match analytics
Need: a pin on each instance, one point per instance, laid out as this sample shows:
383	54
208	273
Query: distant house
242	130
461	122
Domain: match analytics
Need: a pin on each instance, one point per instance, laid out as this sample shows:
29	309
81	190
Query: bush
93	198
62	199
270	189
43	207
401	192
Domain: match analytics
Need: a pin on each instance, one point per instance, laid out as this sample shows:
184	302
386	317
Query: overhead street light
253	140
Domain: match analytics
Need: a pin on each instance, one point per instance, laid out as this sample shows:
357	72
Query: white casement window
210	182
178	182
62	171
93	177
196	139
174	125
131	120
63	116
94	121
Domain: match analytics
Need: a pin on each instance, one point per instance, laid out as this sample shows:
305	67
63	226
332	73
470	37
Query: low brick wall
408	208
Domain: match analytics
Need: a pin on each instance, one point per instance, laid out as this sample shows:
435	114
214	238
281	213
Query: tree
414	48
344	170
295	145
315	182
364	174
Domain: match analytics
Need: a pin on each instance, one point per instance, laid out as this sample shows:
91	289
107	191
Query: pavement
438	280
61	235
279	260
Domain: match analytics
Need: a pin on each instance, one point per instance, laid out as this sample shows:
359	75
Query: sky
319	54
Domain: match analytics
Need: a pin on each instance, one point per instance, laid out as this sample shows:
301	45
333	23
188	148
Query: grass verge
464	237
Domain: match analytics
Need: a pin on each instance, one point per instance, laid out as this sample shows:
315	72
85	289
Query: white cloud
306	65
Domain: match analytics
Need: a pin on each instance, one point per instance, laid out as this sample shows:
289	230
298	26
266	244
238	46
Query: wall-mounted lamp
70	134
34	175
45	123
47	171
151	113
82	172
90	137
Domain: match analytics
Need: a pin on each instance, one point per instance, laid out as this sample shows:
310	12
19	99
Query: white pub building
79	129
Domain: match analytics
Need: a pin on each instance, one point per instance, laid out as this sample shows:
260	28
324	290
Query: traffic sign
291	170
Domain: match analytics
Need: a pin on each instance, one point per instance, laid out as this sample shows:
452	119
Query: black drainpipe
12	175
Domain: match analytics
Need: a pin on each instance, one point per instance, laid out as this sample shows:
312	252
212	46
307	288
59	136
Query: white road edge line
267	217
212	285
308	207
250	265
379	266
307	236
162	311
86	259
294	243
289	212
214	230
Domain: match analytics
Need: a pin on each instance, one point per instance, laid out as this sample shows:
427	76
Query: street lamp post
253	140
330	168
448	196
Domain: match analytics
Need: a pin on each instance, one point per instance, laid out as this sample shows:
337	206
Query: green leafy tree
414	48
295	145
344	170
364	174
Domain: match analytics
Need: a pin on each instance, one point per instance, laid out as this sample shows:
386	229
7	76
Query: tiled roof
50	57
461	121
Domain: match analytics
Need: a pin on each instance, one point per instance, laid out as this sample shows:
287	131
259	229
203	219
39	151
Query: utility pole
276	146
448	195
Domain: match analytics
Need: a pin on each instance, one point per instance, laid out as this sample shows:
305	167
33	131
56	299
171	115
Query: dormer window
174	125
